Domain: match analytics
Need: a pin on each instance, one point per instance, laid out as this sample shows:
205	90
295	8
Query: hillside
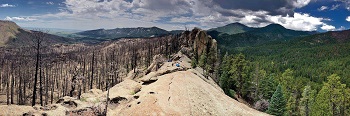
13	35
8	30
272	32
139	32
312	57
233	28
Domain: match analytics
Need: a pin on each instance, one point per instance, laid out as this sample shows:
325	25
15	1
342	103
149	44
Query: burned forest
40	72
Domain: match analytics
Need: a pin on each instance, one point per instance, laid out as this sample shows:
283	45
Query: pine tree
287	81
306	101
346	106
194	63
322	106
239	70
202	60
330	99
212	58
225	83
277	103
225	80
267	86
292	106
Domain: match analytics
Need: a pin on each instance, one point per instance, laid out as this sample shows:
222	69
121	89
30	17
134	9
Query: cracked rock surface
182	92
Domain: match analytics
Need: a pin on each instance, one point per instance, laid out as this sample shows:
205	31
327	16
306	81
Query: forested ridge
312	71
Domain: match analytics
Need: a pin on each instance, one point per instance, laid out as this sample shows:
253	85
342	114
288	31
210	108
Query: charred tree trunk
92	69
41	85
8	90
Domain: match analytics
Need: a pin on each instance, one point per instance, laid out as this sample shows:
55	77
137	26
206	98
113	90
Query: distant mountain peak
236	24
233	28
274	25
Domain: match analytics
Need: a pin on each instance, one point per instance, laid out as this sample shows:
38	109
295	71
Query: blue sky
306	15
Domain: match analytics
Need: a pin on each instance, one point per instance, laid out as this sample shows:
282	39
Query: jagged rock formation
199	41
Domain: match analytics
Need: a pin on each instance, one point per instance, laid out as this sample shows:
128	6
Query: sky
305	15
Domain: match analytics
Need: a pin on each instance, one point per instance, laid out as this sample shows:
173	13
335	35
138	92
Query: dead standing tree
38	39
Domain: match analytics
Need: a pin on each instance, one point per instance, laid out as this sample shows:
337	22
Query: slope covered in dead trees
153	76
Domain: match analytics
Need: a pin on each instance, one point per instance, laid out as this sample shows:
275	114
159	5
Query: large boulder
124	89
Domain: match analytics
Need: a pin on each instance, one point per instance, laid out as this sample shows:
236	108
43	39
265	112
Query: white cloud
167	14
19	18
346	3
341	28
50	3
300	3
348	19
322	8
300	21
7	5
328	27
334	7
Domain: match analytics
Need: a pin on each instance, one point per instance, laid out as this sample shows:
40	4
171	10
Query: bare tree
38	38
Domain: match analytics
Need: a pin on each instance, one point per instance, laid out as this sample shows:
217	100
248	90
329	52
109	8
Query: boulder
125	89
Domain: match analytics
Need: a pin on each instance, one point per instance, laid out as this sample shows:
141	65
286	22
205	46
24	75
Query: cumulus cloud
274	7
322	8
300	21
174	14
328	27
19	18
348	19
7	5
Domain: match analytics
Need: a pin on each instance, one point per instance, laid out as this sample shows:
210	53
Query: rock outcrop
199	41
182	92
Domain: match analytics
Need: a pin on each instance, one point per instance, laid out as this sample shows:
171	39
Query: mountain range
255	36
139	32
231	35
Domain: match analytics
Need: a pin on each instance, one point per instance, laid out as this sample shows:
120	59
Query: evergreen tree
330	99
306	101
277	103
239	70
225	80
194	63
258	76
347	103
292	106
267	86
212	58
202	60
225	83
287	81
322	106
226	63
